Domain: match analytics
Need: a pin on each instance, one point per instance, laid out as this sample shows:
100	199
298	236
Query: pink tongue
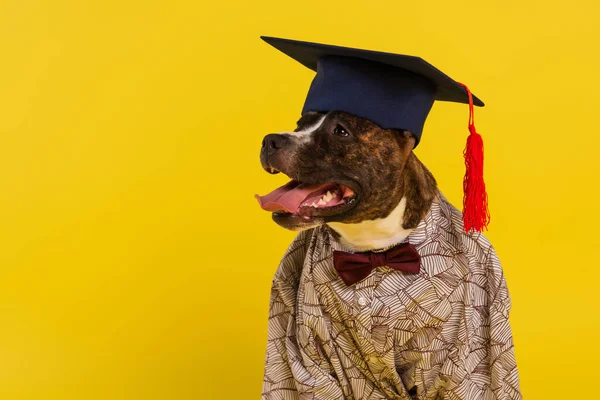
288	197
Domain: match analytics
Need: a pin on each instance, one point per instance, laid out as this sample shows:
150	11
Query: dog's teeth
322	202
314	204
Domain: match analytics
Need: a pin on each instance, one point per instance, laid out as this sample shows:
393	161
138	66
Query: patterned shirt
443	333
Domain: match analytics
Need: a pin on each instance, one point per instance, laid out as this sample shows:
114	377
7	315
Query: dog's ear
407	143
419	186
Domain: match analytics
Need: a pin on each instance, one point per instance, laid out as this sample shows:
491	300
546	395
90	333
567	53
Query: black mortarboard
395	91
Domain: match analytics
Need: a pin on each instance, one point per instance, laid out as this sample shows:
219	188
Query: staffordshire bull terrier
383	294
363	181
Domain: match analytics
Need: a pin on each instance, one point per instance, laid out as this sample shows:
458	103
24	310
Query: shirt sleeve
502	363
485	364
278	381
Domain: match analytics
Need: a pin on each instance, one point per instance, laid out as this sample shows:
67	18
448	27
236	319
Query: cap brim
308	54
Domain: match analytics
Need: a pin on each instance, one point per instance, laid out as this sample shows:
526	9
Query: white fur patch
374	234
304	134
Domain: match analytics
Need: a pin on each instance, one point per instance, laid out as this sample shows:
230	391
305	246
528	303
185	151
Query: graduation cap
394	91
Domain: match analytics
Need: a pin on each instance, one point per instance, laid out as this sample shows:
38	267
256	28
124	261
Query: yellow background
129	142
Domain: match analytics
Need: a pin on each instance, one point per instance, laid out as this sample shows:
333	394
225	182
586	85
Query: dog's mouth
307	200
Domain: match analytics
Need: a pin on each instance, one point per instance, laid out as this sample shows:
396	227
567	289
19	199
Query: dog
440	333
365	164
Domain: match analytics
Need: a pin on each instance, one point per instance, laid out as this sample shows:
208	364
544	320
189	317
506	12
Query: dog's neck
374	234
416	190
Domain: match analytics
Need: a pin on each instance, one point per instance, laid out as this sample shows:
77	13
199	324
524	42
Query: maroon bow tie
354	267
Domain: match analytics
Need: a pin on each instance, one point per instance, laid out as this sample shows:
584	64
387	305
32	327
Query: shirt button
362	301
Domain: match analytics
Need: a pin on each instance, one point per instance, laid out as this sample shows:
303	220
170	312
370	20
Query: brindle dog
385	178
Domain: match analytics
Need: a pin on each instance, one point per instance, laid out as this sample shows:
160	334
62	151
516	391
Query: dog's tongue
288	197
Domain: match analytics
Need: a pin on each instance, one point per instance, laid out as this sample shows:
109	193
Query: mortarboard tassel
476	215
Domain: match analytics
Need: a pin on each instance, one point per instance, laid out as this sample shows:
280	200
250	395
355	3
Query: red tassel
476	215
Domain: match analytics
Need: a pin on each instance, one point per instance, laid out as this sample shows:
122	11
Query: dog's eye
339	130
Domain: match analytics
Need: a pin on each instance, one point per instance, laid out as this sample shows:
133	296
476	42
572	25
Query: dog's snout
274	142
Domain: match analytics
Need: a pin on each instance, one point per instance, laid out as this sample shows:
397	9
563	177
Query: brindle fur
377	163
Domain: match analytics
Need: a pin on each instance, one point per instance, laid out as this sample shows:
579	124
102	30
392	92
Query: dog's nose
273	142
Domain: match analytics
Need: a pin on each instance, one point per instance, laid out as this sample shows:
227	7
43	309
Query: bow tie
354	267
